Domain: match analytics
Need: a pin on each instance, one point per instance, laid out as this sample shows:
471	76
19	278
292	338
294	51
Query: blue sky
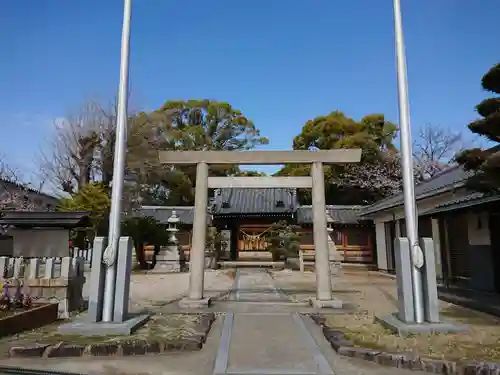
280	62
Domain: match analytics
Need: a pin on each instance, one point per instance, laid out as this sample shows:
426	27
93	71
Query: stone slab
429	281
333	303
123	271
187	303
97	278
84	327
279	344
394	324
404	281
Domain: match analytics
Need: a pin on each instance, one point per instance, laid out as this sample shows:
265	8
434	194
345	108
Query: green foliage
485	163
372	134
209	125
213	245
92	197
249	174
185	125
284	240
348	184
143	230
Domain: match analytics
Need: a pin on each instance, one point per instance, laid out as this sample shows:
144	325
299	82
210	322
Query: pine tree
283	240
485	163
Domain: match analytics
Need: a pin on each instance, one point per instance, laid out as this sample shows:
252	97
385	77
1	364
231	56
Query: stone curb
408	361
124	348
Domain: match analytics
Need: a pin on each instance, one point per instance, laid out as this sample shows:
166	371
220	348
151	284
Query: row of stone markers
85	254
40	281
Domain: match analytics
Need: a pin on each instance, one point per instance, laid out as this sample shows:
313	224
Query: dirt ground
376	295
147	292
160	327
150	291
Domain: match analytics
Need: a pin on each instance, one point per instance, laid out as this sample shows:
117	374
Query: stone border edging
125	348
407	361
36	317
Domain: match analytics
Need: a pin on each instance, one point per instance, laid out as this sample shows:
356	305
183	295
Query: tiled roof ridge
440	173
26	187
150	207
339	206
426	182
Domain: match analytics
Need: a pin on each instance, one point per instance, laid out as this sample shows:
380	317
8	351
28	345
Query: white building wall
423	206
478	228
397	214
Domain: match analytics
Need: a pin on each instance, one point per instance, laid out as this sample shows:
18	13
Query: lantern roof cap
173	219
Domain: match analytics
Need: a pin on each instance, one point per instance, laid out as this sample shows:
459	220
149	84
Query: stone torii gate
202	160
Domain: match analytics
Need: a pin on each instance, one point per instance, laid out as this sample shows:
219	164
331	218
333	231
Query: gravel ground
367	292
154	290
147	291
159	327
373	294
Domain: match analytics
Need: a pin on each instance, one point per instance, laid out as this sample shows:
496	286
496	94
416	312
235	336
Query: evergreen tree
485	163
94	198
283	240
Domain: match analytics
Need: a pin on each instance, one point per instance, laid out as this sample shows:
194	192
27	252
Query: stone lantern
168	258
329	223
173	228
335	258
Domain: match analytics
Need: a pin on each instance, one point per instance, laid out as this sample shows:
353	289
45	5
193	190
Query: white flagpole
118	170
407	164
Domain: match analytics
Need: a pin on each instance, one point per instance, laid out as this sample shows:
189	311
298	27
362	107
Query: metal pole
407	160
118	168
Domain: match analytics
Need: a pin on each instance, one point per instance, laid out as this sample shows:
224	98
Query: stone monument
334	256
168	259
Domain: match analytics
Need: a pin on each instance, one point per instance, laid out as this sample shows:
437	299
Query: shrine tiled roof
470	200
46	219
339	214
254	201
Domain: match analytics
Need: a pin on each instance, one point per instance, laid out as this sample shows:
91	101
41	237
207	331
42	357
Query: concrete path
255	285
272	341
262	333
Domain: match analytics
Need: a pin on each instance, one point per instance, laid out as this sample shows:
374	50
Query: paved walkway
261	333
271	341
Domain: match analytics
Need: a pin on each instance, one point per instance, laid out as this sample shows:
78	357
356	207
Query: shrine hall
245	215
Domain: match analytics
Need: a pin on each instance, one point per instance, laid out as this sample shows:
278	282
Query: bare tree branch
73	155
81	148
435	149
14	193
